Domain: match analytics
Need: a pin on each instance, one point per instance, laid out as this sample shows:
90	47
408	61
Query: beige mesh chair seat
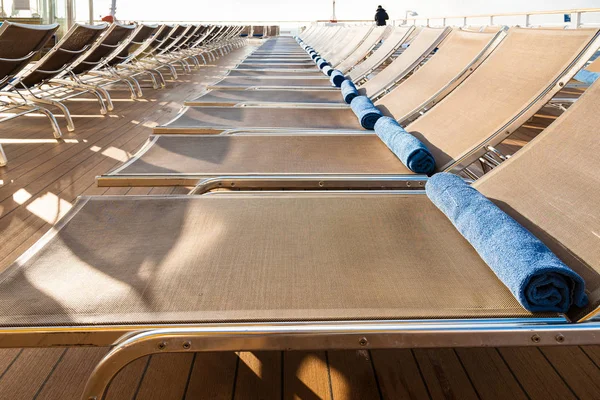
464	50
391	44
170	160
519	77
306	270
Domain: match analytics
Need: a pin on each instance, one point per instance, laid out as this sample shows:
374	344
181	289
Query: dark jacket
381	16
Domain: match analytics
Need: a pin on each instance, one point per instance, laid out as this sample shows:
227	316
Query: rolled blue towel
349	91
586	76
414	154
366	112
337	77
323	63
535	276
327	70
318	60
314	56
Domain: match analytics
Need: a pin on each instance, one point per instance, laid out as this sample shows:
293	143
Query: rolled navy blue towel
586	76
314	56
538	279
349	91
318	60
322	64
327	70
366	112
410	150
336	77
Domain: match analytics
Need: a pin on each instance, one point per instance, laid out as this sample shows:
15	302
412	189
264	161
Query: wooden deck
44	177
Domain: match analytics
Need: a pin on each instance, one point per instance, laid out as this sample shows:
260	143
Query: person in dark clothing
381	16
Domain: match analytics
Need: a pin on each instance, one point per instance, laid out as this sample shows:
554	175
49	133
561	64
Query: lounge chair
34	85
513	75
13	58
100	51
295	271
464	49
360	71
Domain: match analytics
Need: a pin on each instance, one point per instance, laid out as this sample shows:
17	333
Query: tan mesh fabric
552	187
383	52
377	34
518	71
231	155
594	66
253	258
423	44
208	119
457	51
234	97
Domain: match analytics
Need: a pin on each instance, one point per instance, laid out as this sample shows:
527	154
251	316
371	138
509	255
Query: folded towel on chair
349	91
327	70
586	76
414	154
336	77
366	112
538	279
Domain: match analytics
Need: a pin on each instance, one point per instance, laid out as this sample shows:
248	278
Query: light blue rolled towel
410	150
538	279
322	64
586	76
336	77
365	111
314	56
349	91
318	60
327	70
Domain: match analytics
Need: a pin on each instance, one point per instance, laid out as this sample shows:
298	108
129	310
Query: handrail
575	22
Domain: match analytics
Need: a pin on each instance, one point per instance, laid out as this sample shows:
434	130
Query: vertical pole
491	20
70	13
2	13
333	18
91	11
464	21
527	20
113	7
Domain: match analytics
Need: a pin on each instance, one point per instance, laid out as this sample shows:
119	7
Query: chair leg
3	159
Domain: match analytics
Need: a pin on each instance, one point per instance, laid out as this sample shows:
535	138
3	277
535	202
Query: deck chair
423	45
19	43
34	85
338	270
521	85
133	65
360	71
110	69
96	57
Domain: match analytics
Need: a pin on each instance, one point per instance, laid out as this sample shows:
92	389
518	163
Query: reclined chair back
151	45
18	44
524	72
174	34
374	37
389	46
103	48
76	42
204	36
191	38
551	188
138	37
183	37
246	31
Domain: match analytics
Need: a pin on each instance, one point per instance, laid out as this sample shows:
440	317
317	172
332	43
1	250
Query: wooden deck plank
444	375
166	377
535	373
7	357
305	376
593	352
398	374
490	376
352	375
28	373
212	376
127	382
577	369
259	375
70	375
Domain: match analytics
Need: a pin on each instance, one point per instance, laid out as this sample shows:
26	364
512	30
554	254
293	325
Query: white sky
308	10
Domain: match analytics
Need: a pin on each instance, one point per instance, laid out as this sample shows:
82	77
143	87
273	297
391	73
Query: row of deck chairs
511	259
90	58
